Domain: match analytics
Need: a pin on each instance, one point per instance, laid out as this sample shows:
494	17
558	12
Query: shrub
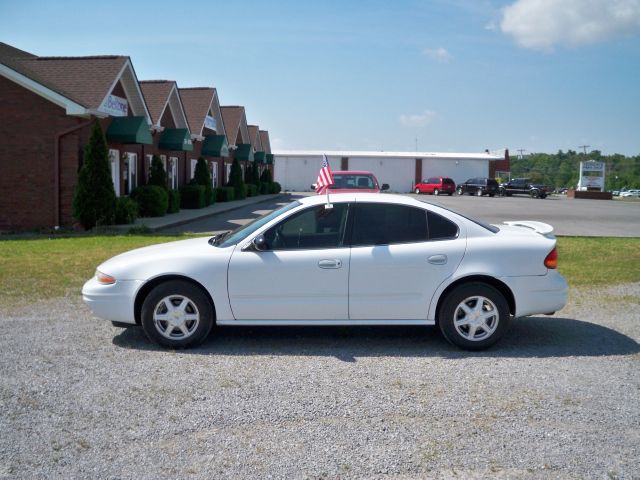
157	174
225	194
94	198
275	187
266	176
252	190
235	180
152	200
192	196
126	211
255	173
202	176
264	188
174	201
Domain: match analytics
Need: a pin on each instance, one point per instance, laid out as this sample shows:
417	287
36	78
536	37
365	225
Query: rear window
352	181
491	181
448	181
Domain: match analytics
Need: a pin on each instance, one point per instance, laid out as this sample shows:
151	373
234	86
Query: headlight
104	279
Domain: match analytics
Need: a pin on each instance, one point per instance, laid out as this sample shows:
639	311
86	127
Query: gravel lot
558	397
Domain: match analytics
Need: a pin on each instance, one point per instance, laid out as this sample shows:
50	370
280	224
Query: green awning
215	146
128	130
260	157
244	151
269	158
176	139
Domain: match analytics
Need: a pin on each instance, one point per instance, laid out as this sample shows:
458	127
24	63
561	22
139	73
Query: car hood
180	257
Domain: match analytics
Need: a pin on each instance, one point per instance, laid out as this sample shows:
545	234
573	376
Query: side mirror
313	186
260	243
385	186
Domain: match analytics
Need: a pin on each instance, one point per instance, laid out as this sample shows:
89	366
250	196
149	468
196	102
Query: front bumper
538	294
112	302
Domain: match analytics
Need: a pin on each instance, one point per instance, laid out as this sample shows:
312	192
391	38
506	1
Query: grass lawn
32	270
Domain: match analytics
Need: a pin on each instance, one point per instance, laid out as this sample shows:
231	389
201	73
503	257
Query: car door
400	255
302	275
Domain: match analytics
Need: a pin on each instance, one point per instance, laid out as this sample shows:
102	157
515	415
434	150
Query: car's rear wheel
479	192
436	191
177	314
474	316
417	191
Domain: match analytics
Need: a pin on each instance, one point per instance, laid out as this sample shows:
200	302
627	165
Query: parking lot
556	398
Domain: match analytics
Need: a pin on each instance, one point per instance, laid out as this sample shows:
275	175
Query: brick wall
27	178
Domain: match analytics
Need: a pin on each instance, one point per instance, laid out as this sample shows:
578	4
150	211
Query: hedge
252	190
152	200
126	210
192	196
225	194
174	201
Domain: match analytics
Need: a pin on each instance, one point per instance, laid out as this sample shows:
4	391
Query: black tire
417	191
459	191
450	193
535	194
193	319
436	191
479	192
492	194
474	336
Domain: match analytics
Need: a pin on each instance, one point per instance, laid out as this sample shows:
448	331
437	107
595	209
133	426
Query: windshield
246	230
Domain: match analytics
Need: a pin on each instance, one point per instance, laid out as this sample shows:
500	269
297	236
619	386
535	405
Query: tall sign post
591	176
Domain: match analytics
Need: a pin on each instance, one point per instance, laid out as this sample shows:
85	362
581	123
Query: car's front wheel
479	192
474	316
417	191
459	191
177	314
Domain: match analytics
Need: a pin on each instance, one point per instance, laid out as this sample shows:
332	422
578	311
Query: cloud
543	24
440	54
418	120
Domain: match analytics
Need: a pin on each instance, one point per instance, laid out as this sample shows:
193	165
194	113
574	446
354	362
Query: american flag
325	178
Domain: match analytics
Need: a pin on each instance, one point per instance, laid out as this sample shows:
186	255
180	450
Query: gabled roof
83	81
235	122
264	138
198	103
254	137
160	94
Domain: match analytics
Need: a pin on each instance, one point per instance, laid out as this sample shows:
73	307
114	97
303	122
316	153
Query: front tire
417	191
474	316
177	314
479	192
459	191
535	194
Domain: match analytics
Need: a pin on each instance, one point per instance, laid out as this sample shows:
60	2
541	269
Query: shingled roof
160	94
235	123
254	137
86	81
264	138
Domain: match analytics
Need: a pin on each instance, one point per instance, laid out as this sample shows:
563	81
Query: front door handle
437	259
333	263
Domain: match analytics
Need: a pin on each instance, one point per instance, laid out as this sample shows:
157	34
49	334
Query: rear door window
388	224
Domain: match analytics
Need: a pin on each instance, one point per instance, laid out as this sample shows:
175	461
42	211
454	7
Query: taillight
552	259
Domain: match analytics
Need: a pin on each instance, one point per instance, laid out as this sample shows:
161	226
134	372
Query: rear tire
177	314
459	191
479	192
474	316
436	191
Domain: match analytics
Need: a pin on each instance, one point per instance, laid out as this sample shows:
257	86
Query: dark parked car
436	186
478	186
523	186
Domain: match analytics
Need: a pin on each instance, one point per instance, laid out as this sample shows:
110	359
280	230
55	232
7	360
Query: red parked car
436	185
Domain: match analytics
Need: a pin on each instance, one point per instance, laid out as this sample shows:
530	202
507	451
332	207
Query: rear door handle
437	259
333	263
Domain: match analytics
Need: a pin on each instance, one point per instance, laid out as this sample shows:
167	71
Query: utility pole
584	147
520	153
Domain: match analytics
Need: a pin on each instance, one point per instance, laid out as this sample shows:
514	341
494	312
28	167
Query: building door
114	160
214	174
130	173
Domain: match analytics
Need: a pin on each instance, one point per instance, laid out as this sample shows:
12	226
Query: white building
297	170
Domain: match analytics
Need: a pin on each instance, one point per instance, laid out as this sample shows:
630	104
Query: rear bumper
112	302
538	294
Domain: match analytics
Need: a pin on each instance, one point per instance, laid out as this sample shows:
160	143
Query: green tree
157	175
202	176
256	173
94	199
235	180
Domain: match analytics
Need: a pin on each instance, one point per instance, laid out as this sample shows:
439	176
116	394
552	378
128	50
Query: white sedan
363	259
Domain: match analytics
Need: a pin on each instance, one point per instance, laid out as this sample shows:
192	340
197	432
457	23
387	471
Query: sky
441	76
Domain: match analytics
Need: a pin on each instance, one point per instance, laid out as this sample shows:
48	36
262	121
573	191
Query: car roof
362	197
351	172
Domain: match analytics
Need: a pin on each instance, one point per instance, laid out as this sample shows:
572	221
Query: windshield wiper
216	239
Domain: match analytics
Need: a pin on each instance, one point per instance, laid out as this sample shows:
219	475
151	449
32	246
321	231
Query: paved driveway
603	218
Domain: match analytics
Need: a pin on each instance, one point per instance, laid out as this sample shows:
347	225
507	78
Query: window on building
194	162
148	160
114	160
172	173
130	172
213	168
